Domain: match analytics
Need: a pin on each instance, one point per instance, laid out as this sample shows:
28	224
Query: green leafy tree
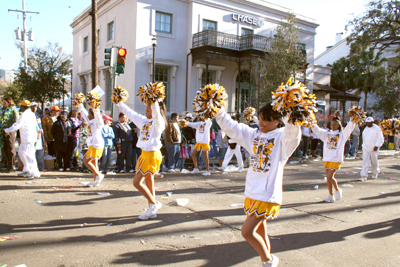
378	27
46	68
286	57
388	97
15	91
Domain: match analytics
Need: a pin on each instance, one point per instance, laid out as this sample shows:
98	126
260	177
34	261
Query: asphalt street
56	221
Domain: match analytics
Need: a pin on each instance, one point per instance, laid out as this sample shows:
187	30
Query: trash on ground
169	194
67	187
294	162
357	210
392	178
357	168
142	241
21	265
301	197
182	201
164	197
103	193
38	200
316	187
273	237
236	205
304	165
109	224
347	185
382	193
83	224
227	180
136	202
346	172
28	182
290	189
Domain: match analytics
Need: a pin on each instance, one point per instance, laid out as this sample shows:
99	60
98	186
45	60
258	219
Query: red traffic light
121	52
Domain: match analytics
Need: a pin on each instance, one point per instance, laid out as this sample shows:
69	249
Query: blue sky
52	24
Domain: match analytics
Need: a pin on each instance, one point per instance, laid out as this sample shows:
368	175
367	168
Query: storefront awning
335	94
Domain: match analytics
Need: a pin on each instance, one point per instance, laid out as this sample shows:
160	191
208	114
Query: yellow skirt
260	208
94	153
332	165
149	162
204	147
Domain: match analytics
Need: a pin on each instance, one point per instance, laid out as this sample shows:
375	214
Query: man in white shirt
26	124
372	141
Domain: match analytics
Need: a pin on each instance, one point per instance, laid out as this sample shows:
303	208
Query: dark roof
335	94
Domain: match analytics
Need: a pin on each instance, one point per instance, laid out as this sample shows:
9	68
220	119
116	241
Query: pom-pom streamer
248	114
209	100
93	100
119	94
79	98
151	93
357	115
390	127
293	100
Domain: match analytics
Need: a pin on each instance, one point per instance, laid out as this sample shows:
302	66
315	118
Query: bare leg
138	183
262	231
205	154
91	164
330	176
149	180
249	232
194	154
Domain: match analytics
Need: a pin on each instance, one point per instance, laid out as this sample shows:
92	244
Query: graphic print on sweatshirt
145	133
202	128
262	148
90	130
333	140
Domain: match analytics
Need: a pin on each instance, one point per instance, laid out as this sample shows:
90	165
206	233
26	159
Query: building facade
198	42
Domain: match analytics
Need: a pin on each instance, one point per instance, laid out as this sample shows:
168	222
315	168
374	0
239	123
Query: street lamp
344	95
154	44
63	81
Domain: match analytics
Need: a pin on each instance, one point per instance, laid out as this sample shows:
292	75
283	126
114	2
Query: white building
224	37
7	74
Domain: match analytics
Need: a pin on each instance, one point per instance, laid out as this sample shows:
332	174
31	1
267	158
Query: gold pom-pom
79	98
390	127
151	93
357	115
183	123
209	100
93	100
292	99
248	114
119	94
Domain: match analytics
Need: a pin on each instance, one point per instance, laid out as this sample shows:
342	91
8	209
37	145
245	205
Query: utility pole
24	34
93	13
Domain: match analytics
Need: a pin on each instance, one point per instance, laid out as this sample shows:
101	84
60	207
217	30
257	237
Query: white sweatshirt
150	129
372	137
26	124
269	154
333	141
95	138
202	131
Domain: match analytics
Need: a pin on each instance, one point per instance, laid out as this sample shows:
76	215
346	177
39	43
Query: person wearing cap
372	140
108	135
8	115
47	123
62	134
26	124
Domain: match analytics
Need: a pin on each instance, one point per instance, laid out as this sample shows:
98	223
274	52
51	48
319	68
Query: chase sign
248	20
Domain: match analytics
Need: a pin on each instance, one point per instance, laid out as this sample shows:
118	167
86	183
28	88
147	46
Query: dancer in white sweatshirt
202	143
269	147
26	124
334	141
372	140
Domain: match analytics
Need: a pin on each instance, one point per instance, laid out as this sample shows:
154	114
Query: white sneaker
177	170
23	173
339	194
363	179
68	169
99	179
171	170
206	173
329	198
61	169
305	157
110	173
374	176
195	171
94	183
30	175
143	217
152	210
36	175
132	171
240	169
122	171
272	263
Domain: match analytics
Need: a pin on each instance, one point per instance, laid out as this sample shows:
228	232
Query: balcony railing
231	41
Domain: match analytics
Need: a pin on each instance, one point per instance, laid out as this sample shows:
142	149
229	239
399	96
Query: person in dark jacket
174	138
61	130
136	151
123	143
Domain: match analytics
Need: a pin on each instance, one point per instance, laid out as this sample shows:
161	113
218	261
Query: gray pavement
78	227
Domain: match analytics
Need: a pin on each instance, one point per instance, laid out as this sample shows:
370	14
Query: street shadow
212	255
381	196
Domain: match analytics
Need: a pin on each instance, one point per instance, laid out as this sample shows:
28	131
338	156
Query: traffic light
109	57
121	60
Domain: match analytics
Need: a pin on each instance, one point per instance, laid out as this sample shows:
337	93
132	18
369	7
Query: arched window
245	88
